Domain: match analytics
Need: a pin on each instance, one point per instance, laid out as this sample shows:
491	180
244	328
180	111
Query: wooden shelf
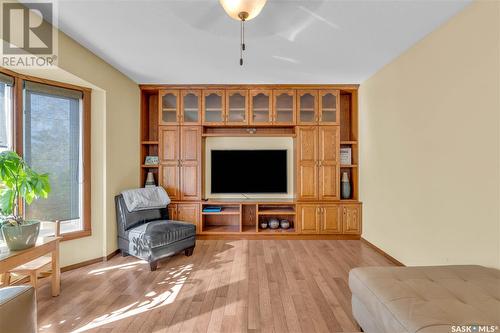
249	134
277	211
349	166
348	142
222	212
248	228
279	230
149	142
156	166
272	209
220	228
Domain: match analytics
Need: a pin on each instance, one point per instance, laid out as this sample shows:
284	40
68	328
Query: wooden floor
226	286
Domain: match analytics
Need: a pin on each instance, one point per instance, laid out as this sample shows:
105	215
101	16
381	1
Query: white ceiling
289	42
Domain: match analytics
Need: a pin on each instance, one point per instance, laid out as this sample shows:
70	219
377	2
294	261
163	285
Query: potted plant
19	182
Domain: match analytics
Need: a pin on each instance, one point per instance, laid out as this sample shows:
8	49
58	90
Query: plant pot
22	236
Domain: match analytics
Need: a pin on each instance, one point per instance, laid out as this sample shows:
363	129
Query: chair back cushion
127	220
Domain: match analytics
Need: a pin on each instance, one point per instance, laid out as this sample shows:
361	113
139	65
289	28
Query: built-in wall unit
236	159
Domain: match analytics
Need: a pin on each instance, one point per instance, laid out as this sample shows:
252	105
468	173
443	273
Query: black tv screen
249	171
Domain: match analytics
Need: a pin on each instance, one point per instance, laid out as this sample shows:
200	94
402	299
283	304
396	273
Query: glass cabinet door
236	107
191	107
213	107
284	107
328	107
307	106
260	107
169	107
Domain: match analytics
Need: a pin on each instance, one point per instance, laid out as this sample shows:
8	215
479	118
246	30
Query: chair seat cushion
159	233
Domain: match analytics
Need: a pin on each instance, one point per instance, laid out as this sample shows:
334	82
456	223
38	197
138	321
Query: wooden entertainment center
176	120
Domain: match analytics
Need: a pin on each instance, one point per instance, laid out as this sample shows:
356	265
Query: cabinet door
213	107
331	219
260	107
236	107
190	163
191	107
170	180
169	161
309	218
307	163
351	219
307	107
329	167
329	107
189	213
169	144
172	211
169	107
284	107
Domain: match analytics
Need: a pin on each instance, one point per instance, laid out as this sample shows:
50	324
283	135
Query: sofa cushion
428	299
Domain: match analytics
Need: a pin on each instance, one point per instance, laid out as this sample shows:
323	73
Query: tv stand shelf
284	209
225	210
246	217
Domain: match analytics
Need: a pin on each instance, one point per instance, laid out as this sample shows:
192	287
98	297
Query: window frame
17	140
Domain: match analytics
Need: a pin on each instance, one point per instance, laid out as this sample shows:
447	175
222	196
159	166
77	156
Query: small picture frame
151	160
345	156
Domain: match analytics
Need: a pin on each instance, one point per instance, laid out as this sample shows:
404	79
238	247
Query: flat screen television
249	171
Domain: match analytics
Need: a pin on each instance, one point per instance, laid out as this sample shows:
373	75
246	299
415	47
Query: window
6	83
53	143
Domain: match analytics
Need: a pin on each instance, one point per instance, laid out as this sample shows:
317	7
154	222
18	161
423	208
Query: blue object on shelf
212	209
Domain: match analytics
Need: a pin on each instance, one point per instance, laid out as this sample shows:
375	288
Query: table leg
56	272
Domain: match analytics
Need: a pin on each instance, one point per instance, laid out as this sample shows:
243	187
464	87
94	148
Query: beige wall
114	141
117	166
429	132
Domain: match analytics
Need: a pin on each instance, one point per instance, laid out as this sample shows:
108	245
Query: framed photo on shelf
345	156
151	160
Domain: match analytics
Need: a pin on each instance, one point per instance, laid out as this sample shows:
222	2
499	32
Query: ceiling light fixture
242	10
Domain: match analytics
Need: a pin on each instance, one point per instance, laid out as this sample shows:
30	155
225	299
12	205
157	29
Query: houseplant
19	183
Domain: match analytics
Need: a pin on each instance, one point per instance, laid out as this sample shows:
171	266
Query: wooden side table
49	245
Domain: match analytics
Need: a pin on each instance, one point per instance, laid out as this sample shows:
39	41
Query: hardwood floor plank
225	286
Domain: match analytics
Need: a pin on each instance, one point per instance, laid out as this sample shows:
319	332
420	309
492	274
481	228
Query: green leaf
6	200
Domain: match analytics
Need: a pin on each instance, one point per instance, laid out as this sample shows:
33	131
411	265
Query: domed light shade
242	10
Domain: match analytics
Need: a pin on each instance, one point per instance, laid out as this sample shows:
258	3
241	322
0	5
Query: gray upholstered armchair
150	235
